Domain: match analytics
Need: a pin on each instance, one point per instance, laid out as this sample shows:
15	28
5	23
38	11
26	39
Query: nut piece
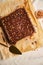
39	14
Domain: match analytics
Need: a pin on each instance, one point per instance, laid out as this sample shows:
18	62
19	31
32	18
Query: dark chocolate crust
17	25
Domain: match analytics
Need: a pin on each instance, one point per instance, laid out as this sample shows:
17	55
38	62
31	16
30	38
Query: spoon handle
3	45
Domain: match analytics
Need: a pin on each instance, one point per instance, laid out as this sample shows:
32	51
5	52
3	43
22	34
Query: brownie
17	25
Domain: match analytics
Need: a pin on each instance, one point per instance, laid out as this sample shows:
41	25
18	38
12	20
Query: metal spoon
12	49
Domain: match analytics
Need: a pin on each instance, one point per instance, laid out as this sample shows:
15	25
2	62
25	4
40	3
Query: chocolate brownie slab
17	25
